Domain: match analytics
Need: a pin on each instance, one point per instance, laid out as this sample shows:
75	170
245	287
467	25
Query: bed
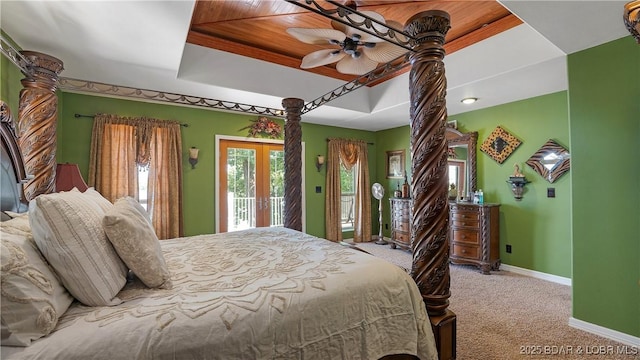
266	293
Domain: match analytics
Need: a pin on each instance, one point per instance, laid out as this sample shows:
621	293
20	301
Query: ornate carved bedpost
430	213
293	164
37	120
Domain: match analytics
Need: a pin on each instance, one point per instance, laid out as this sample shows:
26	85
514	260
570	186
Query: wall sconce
193	156
319	162
517	181
517	186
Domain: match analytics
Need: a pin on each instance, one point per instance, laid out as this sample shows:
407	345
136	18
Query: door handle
266	203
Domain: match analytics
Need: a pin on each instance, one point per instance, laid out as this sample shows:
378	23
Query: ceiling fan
357	52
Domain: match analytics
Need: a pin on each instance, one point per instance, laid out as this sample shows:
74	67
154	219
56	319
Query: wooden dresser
400	223
475	235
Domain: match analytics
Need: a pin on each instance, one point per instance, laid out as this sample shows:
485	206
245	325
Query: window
143	181
347	196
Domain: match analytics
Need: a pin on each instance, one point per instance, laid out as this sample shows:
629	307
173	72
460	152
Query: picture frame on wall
395	164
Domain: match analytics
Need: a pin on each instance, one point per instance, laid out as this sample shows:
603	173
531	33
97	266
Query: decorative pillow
134	203
13	214
136	242
67	228
32	297
18	224
103	203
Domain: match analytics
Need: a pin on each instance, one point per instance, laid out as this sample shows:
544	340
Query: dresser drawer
466	236
465	251
401	237
465	223
465	218
401	225
401	211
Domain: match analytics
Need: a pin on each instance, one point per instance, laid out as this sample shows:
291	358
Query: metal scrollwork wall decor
500	144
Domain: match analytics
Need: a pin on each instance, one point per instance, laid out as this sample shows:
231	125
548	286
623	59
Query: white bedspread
267	293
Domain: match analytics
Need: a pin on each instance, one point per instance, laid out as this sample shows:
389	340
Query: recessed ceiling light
469	100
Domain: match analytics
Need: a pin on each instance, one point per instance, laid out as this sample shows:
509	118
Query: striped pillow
67	228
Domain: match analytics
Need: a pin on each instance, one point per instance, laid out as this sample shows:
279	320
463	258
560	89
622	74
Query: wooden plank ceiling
257	28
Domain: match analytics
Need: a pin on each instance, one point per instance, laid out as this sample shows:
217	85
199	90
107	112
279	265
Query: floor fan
378	193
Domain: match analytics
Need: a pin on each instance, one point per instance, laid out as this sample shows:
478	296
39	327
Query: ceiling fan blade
383	52
321	57
350	31
316	36
356	66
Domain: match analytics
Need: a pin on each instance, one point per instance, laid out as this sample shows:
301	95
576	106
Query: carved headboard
12	171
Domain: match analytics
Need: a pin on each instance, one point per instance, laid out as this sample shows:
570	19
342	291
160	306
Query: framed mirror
551	161
462	162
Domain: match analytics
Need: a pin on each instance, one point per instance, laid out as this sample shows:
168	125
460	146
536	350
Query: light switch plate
551	192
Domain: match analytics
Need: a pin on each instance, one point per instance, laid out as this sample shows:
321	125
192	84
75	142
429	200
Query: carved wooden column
37	120
429	181
293	164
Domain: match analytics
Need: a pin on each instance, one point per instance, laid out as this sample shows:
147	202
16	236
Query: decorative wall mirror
462	161
551	161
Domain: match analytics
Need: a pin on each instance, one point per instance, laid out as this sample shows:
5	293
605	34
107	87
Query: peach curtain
165	180
351	153
113	142
119	145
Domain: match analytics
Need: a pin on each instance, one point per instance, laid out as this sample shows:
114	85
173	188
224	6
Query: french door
251	177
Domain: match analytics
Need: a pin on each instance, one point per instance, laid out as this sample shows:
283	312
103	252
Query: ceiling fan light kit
365	50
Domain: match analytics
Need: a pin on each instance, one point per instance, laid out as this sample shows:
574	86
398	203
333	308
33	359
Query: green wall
604	102
74	142
10	86
389	140
538	228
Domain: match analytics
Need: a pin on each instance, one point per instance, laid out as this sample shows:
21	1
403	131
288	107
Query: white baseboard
605	332
573	322
536	274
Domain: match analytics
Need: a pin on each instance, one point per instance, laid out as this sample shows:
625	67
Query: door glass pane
241	188
276	185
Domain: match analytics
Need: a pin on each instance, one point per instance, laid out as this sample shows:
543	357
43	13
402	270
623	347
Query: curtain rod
92	116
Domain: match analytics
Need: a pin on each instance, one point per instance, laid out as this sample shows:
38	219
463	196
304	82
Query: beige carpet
510	316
